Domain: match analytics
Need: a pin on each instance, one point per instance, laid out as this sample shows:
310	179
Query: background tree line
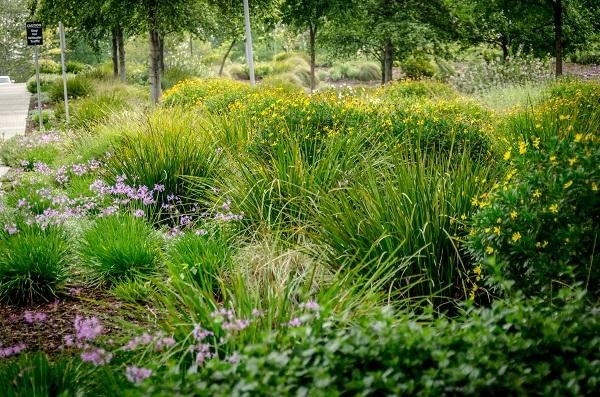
384	30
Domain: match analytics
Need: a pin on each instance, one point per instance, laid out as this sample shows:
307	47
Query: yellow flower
507	155
497	230
553	208
572	161
578	137
594	186
489	250
536	142
564	117
537	193
516	237
513	215
522	147
538	126
553	158
567	185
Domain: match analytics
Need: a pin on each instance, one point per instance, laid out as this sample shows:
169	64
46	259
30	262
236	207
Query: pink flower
295	322
87	328
96	356
136	374
139	213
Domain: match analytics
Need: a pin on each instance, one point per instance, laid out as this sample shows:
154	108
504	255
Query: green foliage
418	68
76	67
167	148
361	71
402	90
483	352
134	290
77	86
87	112
47	118
117	248
33	262
201	259
32	149
47	81
410	214
542	224
48	66
36	375
517	70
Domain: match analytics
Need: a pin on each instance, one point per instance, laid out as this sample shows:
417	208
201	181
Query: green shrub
517	70
418	68
32	148
117	248
203	258
166	149
411	214
49	66
174	75
133	290
36	375
47	118
76	67
89	111
542	224
77	86
513	348
400	90
47	81
33	262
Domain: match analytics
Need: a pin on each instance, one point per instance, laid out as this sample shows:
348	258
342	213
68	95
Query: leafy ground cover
402	240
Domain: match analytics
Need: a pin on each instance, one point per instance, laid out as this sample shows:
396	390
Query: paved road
14	106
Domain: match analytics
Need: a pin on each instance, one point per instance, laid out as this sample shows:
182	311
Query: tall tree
14	54
390	29
310	15
542	26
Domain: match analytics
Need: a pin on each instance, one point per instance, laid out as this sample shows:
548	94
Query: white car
6	80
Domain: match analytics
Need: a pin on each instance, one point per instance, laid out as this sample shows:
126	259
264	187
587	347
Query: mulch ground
48	335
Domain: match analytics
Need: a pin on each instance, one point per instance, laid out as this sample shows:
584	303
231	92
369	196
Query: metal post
249	55
64	68
37	77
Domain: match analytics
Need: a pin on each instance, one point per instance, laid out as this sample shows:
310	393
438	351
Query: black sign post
35	38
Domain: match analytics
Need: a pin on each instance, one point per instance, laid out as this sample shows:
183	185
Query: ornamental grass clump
541	223
33	262
203	257
166	149
411	213
119	247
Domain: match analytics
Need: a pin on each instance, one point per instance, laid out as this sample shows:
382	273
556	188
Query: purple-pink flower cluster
34	317
136	374
159	340
96	356
12	350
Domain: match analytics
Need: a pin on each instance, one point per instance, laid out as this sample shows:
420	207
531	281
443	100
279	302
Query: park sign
34	33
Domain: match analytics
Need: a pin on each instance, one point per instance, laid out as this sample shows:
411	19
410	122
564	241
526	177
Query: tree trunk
121	46
226	56
191	45
388	59
558	22
154	74
382	63
312	30
505	52
161	52
115	60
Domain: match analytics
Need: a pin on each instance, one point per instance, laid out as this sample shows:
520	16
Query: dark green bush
49	66
117	248
76	87
33	262
76	67
417	68
46	82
